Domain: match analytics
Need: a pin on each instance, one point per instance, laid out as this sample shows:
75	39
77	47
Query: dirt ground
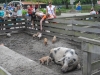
34	49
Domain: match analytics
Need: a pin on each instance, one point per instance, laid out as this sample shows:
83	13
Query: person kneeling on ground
45	16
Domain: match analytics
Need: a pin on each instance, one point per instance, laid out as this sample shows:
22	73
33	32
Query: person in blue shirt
4	6
2	13
78	6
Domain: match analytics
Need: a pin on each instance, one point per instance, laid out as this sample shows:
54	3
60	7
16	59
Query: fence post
86	60
26	21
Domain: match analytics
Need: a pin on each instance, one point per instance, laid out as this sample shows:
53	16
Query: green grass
85	8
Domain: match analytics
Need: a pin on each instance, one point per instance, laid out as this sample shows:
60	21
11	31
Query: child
43	18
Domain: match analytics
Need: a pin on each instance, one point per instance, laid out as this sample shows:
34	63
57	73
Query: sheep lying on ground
45	59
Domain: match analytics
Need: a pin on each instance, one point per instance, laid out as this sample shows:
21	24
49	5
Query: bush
24	12
43	10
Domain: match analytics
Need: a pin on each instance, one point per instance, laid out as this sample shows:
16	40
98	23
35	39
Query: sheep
45	41
54	39
46	59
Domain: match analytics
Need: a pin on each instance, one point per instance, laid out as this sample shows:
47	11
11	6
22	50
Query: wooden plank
85	64
95	65
64	21
59	31
10	30
6	26
91	41
57	25
89	23
93	48
10	22
96	73
86	60
84	34
82	29
89	63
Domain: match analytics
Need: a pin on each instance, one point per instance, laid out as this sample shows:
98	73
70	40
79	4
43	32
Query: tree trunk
66	4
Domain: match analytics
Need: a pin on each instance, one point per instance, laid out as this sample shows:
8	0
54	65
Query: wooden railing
69	28
89	47
12	24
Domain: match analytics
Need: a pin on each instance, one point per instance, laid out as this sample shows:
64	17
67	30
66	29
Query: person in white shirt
93	12
50	9
19	10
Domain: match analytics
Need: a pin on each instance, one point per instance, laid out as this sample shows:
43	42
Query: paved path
72	14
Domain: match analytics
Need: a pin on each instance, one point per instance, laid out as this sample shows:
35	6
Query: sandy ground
35	49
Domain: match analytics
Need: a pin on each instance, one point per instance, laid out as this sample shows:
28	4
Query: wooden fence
12	25
90	46
71	28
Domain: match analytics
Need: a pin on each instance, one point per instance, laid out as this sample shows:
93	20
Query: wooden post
86	60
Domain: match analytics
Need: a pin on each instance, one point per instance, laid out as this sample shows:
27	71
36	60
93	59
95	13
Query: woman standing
51	10
19	10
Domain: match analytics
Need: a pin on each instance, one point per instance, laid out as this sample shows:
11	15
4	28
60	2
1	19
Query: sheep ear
61	59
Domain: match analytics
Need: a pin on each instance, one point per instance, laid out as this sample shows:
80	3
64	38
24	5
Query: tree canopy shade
57	2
